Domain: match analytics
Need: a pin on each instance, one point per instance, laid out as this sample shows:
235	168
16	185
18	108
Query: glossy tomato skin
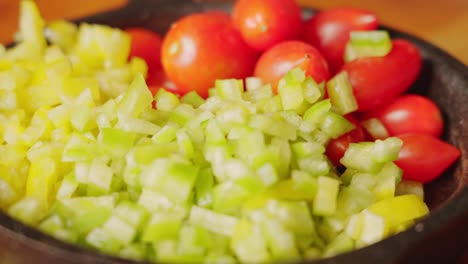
424	158
264	23
146	44
203	47
329	31
155	77
337	147
278	60
379	80
410	114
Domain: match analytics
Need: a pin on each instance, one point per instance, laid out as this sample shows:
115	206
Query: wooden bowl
442	237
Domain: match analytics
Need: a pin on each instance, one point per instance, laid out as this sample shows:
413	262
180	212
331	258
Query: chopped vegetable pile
91	156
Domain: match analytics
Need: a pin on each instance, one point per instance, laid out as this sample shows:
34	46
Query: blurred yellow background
444	23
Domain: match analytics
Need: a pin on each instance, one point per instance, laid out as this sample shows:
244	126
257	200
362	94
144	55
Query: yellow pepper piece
400	209
41	180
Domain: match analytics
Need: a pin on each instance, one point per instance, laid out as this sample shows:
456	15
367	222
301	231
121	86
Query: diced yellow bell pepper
31	24
40	127
400	209
62	33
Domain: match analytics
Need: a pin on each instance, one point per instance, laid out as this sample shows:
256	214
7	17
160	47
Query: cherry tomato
329	31
203	47
410	114
264	23
423	157
156	77
337	147
147	45
278	60
378	80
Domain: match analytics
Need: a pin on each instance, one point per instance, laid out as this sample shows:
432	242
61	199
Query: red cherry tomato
281	58
337	147
329	31
410	114
378	80
147	45
203	47
423	157
264	23
156	77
